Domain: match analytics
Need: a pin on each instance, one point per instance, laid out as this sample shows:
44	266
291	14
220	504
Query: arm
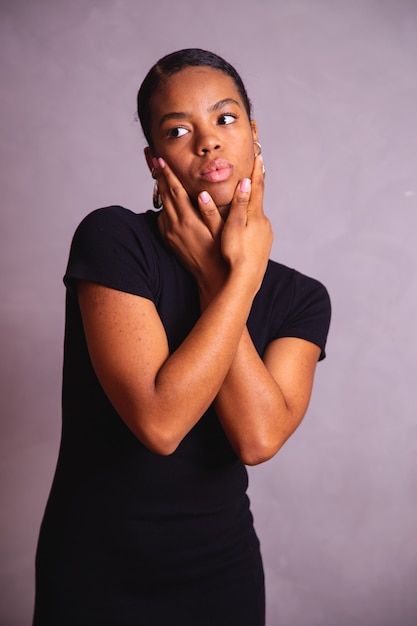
261	402
162	396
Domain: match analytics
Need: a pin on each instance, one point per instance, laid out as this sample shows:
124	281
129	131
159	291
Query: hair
173	63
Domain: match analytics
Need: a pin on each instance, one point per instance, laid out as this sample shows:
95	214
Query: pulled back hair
173	63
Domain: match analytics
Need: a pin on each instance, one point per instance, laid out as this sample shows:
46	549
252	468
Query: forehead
194	86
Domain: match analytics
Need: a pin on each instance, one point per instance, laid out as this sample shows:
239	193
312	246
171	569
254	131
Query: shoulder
115	247
301	304
115	228
117	220
296	286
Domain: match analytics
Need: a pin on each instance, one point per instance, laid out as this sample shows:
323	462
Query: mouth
216	171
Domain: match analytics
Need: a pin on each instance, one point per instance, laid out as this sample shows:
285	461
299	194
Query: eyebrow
181	115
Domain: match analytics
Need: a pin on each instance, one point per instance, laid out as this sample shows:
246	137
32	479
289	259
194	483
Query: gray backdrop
334	84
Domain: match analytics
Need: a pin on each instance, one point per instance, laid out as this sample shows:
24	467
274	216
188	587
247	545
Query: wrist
210	284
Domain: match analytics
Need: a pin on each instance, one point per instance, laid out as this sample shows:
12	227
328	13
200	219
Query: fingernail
155	162
244	184
204	197
161	162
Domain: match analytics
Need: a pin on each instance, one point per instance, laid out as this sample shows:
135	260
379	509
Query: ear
149	156
254	130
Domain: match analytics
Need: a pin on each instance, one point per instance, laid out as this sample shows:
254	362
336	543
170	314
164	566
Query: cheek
249	153
249	163
177	165
184	177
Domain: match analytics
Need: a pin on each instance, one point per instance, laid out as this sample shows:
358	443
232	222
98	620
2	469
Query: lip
216	171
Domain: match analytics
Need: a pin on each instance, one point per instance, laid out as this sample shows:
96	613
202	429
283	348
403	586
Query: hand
193	238
247	236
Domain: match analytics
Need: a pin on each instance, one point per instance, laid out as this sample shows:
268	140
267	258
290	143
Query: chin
224	210
222	199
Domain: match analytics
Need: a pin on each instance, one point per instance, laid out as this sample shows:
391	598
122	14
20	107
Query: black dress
131	538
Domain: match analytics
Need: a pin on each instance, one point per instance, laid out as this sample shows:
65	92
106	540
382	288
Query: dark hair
173	63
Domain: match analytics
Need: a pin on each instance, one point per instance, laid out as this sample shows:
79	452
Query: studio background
334	88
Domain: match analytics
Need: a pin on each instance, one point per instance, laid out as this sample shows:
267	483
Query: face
201	128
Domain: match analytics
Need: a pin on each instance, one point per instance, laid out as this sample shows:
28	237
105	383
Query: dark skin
202	157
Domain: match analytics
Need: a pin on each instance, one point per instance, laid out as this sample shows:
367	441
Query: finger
238	213
174	197
258	187
210	214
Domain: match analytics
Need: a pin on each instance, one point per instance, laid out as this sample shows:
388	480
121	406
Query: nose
207	141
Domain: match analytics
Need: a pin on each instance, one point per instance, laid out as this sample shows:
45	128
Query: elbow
158	441
163	446
152	431
265	445
257	457
259	452
262	447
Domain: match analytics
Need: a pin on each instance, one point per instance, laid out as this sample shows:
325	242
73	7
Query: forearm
159	395
250	403
197	369
252	407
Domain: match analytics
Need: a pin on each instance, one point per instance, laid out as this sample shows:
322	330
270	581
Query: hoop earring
156	196
256	143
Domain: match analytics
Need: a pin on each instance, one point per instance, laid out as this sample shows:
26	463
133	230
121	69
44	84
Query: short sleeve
308	316
111	247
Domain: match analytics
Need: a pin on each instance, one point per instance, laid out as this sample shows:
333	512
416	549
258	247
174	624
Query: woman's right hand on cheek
193	238
247	234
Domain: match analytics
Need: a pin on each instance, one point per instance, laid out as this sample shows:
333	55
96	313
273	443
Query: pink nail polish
161	162
155	162
204	197
245	184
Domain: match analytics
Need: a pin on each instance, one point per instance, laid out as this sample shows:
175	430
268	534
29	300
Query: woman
187	355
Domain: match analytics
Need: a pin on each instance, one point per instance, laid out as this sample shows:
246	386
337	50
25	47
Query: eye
227	118
176	132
